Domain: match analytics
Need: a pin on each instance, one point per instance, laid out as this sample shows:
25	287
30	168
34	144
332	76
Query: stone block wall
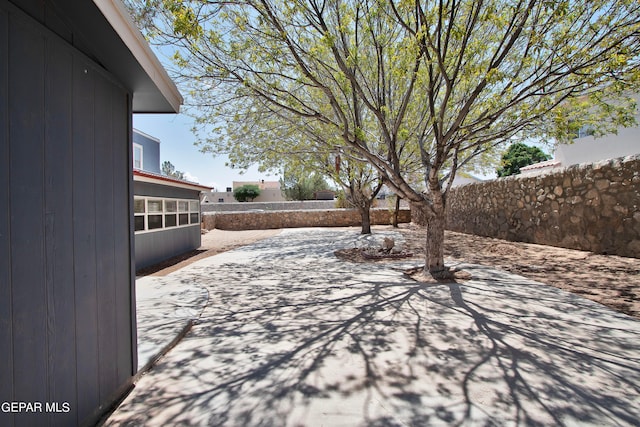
268	206
292	219
592	207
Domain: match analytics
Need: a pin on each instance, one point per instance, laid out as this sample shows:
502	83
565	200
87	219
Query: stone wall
593	207
300	218
268	206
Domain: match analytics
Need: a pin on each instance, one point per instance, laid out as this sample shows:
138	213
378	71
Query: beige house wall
269	192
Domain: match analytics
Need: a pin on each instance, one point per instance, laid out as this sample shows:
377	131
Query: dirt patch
171	263
213	243
610	280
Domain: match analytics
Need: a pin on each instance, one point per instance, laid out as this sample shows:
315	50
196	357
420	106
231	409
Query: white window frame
191	205
141	148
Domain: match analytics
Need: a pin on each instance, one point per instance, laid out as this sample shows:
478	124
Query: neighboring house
463	178
269	192
72	72
588	149
146	152
166	210
324	195
540	167
218	197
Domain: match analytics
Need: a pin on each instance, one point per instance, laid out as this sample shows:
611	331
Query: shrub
246	193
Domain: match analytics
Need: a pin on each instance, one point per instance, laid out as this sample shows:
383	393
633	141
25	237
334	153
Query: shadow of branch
306	339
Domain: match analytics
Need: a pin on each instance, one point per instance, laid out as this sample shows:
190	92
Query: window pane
155	221
138	206
184	219
193	206
195	218
137	156
139	223
170	205
154	205
183	206
170	220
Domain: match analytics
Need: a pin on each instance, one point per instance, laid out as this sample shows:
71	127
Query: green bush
246	193
519	155
341	200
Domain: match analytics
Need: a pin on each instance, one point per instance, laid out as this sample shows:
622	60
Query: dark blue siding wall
26	201
66	316
156	246
58	227
6	314
156	190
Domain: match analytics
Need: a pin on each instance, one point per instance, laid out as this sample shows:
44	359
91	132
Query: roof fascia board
140	176
146	135
118	16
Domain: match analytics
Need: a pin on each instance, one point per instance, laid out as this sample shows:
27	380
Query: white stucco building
588	149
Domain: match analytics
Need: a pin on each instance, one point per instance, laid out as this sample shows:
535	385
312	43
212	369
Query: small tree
518	156
246	193
361	184
169	170
301	186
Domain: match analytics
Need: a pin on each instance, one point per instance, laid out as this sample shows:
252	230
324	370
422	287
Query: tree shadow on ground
295	337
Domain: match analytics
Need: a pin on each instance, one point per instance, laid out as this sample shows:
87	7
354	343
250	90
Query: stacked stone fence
255	220
268	206
591	207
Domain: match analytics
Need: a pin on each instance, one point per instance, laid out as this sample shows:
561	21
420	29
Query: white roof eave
118	17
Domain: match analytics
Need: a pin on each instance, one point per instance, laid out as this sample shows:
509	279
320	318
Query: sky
177	146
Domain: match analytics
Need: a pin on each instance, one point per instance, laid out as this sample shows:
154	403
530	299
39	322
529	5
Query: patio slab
166	310
292	336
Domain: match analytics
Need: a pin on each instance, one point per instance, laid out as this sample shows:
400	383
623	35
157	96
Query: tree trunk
434	259
396	212
365	214
434	253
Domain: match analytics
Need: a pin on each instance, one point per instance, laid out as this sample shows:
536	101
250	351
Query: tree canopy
403	85
169	170
519	155
299	185
246	193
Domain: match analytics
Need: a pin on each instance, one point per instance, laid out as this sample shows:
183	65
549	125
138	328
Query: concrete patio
286	334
